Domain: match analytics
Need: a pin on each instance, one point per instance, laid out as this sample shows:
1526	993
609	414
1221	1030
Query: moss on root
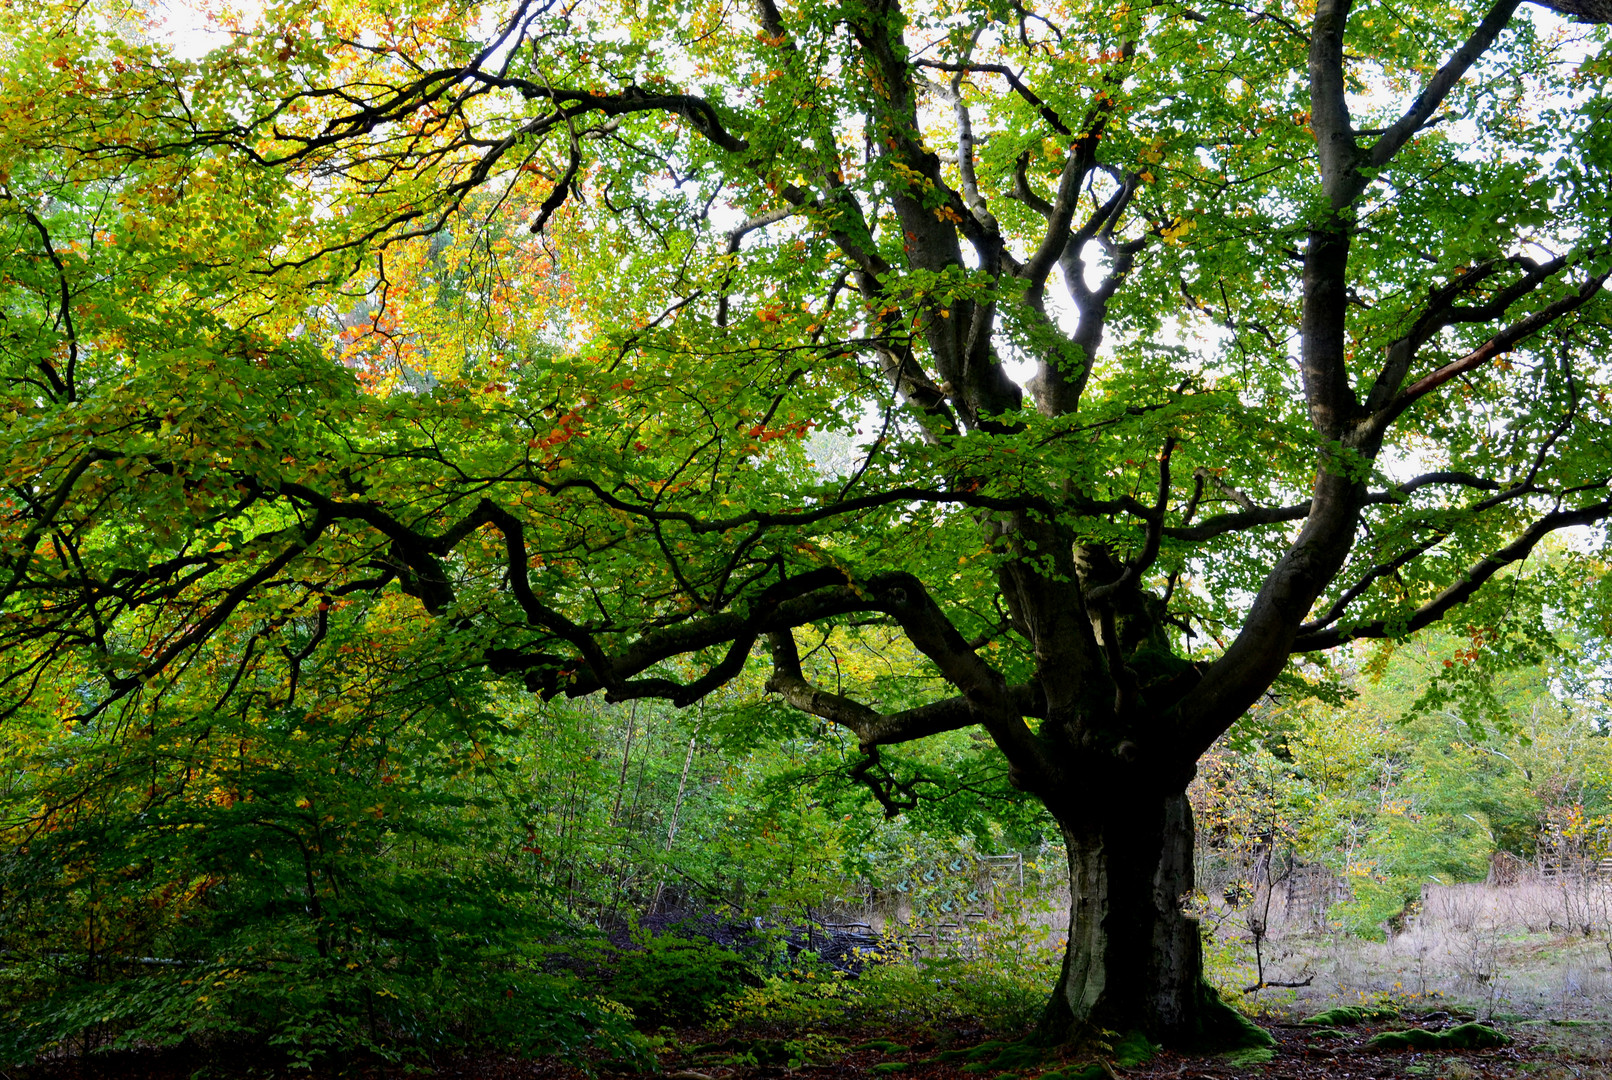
1134	1049
1463	1037
1215	1028
1222	1028
1247	1056
1349	1015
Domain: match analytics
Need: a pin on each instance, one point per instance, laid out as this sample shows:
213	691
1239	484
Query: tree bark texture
1134	959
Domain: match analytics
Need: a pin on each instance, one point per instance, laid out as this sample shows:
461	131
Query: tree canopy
426	346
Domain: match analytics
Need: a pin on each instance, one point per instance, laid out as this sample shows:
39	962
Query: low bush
321	1009
673	979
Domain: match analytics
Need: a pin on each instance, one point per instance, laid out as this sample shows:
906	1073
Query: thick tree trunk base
1134	961
1214	1027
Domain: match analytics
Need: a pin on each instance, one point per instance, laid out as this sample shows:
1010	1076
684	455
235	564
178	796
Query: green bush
800	998
320	1009
677	980
1001	989
1000	996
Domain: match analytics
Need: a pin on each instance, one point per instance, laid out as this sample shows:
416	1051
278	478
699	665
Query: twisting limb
736	237
64	384
1078	164
1468	584
1442	82
1098	595
1443	310
1047	113
872	728
1498	345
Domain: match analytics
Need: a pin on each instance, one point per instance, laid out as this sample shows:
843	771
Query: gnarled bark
1134	960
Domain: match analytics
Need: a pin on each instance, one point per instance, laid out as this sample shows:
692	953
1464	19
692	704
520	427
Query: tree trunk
1134	961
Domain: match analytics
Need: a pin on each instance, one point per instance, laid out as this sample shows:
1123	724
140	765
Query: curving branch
63	384
1048	114
1463	589
1439	86
871	728
1078	165
1098	595
1443	310
1498	345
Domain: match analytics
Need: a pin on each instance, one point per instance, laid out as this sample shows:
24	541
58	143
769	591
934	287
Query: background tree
1311	298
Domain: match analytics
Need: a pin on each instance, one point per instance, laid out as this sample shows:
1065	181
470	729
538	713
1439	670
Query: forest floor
1539	1050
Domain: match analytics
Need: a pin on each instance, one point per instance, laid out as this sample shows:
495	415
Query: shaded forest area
622	885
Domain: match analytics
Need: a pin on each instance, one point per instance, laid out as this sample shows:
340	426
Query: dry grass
1540	948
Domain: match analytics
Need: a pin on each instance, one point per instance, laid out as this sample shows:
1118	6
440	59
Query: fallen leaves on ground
911	1054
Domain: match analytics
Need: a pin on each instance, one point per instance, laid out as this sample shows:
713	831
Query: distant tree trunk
626	759
677	809
1134	961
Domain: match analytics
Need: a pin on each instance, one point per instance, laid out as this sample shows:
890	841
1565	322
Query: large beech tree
516	322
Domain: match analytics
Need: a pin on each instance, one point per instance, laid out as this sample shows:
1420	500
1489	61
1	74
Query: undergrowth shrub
1001	984
805	996
323	1009
673	979
1229	967
999	996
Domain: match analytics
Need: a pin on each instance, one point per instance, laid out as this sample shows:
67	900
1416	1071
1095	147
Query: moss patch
785	1053
971	1053
997	1056
1349	1015
1134	1049
888	1067
1464	1037
1248	1055
1223	1028
882	1046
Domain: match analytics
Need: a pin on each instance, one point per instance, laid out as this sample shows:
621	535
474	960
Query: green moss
1414	1039
1223	1028
1134	1049
889	1067
1475	1037
1248	1055
972	1053
1348	1015
1019	1055
1464	1037
790	1053
882	1046
1328	1033
997	1056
